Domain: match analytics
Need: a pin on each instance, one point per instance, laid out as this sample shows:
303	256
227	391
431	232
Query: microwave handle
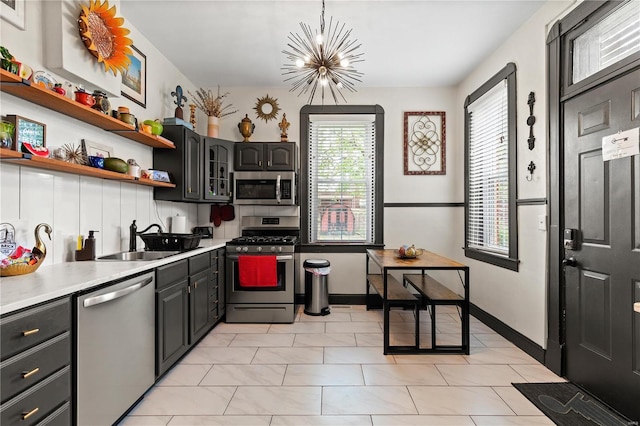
278	189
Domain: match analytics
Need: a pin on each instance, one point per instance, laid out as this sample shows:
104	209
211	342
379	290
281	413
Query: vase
212	126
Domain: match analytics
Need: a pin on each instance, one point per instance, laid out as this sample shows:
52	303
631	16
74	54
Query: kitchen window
490	171
341	175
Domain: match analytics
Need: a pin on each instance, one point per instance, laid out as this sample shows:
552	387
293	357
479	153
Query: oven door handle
278	200
236	256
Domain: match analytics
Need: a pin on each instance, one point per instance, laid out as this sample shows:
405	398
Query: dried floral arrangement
210	105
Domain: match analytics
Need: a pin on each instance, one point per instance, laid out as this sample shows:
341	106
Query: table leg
385	309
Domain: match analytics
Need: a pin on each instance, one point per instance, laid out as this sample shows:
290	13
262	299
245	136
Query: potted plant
212	106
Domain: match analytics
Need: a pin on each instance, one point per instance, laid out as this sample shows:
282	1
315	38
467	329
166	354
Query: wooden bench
395	290
397	296
433	293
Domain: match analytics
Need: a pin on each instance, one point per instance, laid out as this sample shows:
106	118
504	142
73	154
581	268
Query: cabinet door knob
30	332
28	374
28	414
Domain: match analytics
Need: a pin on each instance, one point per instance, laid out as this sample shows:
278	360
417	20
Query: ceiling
424	43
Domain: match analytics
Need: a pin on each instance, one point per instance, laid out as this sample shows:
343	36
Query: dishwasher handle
103	298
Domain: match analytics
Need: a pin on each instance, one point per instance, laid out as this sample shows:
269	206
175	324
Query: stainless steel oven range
261	270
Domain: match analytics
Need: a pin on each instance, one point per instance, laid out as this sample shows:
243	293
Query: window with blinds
611	40
342	185
490	171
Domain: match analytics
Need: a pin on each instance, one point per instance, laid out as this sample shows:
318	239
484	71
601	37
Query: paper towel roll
179	224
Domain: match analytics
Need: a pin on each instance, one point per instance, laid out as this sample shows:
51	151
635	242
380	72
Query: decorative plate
44	79
40	151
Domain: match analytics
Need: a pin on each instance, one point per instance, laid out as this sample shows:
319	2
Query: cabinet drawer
38	400
171	273
62	416
35	325
33	365
198	263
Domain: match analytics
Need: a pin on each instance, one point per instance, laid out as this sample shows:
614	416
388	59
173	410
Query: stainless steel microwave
265	188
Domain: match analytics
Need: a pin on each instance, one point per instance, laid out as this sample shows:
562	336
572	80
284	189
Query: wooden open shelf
14	85
28	160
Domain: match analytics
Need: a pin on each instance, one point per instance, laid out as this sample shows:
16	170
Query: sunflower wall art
104	37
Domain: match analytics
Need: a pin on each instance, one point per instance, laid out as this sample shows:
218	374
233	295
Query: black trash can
316	287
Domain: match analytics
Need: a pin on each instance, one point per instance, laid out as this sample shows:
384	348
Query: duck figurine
40	251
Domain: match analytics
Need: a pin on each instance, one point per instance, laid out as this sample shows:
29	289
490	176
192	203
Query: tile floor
331	371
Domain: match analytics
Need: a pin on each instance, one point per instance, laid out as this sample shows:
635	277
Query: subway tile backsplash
74	204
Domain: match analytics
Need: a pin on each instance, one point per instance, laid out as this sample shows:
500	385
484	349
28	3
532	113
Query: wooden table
394	293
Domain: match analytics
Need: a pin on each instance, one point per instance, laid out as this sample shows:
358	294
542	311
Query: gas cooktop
265	239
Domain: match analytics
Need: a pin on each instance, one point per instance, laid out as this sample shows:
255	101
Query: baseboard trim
531	348
339	299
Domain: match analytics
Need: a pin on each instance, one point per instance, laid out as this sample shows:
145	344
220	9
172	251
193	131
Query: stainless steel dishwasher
115	349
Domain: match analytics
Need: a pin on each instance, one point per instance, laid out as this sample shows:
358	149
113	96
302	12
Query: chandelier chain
322	20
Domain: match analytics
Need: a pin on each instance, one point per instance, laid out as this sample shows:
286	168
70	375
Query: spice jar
102	101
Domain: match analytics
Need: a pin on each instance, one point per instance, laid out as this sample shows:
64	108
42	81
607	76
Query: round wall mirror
267	108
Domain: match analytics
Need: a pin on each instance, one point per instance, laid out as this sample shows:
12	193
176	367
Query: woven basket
19	269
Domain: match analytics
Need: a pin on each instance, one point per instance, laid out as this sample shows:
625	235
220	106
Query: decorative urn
246	128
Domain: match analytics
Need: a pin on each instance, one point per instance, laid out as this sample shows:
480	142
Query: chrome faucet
133	234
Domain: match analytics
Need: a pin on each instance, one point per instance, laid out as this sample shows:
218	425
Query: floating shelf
28	160
16	86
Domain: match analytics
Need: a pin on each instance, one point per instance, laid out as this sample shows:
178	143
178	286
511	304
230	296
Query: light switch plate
542	222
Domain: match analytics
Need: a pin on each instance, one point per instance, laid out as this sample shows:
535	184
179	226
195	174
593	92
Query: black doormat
568	405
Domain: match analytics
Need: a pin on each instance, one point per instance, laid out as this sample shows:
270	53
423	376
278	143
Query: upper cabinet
199	166
217	153
279	156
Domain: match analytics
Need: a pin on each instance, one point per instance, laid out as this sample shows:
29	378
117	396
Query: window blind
488	202
611	40
341	183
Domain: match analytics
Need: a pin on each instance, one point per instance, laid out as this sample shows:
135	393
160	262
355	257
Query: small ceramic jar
102	101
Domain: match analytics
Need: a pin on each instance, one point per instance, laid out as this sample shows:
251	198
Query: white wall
72	204
519	298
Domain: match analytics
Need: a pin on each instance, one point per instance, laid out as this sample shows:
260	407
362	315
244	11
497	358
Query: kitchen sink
138	255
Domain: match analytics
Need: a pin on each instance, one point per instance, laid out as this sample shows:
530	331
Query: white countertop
62	279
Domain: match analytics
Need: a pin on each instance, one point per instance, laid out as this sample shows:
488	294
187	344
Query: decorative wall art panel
424	143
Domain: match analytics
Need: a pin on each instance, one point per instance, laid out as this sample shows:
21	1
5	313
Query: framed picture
12	11
95	149
28	135
424	143
134	79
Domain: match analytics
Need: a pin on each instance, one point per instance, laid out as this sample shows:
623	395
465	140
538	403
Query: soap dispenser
88	252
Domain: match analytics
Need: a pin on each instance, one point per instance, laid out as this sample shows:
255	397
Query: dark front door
602	273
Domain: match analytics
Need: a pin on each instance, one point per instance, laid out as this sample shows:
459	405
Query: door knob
570	262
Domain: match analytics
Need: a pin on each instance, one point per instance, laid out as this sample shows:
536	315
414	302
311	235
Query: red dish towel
257	271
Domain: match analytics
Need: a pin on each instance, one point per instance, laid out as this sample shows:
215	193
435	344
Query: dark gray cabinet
187	304
217	283
184	165
35	366
217	157
172	314
276	156
199	272
199	166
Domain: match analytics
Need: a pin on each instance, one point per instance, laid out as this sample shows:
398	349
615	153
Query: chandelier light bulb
323	81
344	62
299	63
319	38
339	85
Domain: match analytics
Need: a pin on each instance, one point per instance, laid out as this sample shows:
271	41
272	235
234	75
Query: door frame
559	90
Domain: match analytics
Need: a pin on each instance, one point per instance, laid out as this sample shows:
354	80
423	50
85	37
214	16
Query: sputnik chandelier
323	59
